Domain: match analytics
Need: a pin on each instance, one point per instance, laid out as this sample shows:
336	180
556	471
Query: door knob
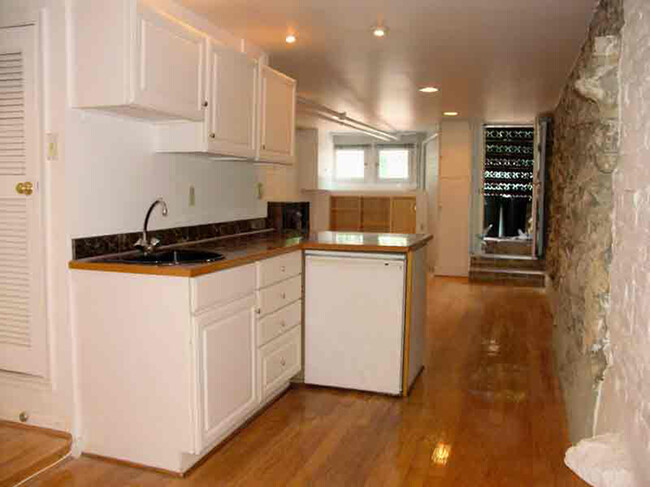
24	188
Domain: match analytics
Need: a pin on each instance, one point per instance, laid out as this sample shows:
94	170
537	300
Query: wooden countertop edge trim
202	269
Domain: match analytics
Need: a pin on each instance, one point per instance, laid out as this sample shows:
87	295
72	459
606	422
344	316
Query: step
511	247
517	277
506	262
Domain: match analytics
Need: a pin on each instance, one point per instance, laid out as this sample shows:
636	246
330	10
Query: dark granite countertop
243	250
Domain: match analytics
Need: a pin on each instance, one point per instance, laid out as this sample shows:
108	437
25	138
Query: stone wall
585	153
625	402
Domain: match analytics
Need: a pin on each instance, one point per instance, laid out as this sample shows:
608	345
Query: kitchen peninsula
201	348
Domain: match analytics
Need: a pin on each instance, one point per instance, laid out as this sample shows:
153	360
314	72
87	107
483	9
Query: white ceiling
497	60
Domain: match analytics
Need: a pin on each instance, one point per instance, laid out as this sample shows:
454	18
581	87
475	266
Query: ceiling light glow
291	38
429	89
379	31
450	114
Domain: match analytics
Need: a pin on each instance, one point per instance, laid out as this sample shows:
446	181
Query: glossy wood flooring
26	451
486	412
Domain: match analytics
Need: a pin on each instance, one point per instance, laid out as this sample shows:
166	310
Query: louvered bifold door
22	318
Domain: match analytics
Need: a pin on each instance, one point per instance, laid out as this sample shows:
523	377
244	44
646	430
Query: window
394	164
350	164
375	166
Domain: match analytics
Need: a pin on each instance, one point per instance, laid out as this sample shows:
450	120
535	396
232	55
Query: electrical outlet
192	196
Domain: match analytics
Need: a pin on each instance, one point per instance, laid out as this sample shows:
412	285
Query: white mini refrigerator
354	320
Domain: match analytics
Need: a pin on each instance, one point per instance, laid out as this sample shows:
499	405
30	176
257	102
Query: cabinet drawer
277	323
279	268
279	360
279	295
222	287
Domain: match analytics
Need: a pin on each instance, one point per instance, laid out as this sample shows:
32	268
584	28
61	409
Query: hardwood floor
25	451
485	412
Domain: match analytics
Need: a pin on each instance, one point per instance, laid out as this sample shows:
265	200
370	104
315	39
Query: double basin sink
169	257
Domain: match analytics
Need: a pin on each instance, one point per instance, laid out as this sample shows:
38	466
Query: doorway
508	172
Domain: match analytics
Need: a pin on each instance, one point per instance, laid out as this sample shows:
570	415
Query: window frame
371	180
366	152
410	179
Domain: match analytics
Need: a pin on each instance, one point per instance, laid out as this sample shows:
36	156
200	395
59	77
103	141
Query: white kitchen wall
625	399
114	175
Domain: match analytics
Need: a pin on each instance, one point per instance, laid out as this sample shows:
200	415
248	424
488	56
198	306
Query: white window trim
371	179
412	176
366	154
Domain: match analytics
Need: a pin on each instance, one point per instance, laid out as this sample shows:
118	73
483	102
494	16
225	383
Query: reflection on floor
486	412
26	451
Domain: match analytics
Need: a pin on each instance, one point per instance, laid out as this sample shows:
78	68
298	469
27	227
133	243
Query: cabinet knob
24	188
283	269
284	296
213	135
205	103
283	324
258	310
283	362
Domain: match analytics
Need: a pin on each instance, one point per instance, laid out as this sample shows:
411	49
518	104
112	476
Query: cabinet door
403	215
227	370
167	74
278	116
232	102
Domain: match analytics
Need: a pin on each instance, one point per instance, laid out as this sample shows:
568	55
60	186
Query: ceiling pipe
346	124
342	118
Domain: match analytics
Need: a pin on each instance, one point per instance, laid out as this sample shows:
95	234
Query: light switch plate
52	149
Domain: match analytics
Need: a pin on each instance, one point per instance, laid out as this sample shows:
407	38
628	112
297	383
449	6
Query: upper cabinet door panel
169	57
278	116
233	102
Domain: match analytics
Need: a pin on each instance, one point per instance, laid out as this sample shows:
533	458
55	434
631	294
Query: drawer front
279	295
222	287
279	268
275	324
279	361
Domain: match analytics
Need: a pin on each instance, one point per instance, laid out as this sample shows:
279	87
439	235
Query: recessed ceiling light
379	31
291	38
429	89
450	114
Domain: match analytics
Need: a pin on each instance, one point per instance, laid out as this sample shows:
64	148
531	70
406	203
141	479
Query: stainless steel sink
169	257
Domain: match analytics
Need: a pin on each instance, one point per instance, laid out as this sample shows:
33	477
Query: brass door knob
25	188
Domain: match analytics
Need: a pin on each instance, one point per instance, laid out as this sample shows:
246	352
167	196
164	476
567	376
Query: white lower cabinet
171	366
227	368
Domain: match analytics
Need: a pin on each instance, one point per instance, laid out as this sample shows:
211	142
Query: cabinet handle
213	135
258	310
205	103
283	362
283	268
284	296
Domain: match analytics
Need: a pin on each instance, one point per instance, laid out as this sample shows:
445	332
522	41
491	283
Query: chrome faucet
144	243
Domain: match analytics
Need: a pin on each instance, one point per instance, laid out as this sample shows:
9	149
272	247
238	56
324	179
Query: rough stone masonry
585	154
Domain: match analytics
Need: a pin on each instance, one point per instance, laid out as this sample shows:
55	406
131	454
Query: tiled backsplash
111	244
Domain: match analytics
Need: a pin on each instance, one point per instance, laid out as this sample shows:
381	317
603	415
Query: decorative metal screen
509	162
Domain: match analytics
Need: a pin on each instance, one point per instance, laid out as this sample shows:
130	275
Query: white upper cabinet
230	128
277	117
130	58
232	103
